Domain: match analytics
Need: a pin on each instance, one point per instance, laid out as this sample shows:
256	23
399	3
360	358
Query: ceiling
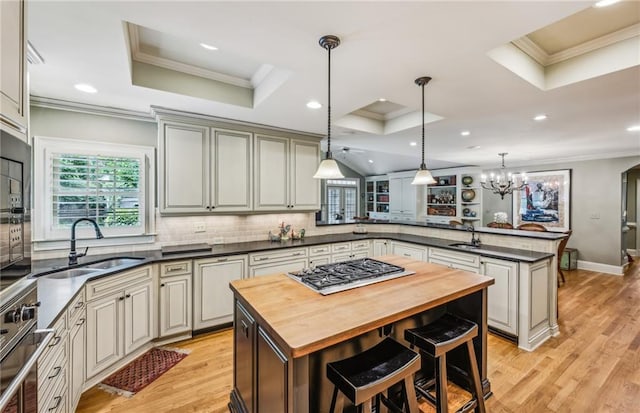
269	65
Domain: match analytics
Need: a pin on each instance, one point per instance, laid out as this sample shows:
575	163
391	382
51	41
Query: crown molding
70	106
139	56
538	54
33	56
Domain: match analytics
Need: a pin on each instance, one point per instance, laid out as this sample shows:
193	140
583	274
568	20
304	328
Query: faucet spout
474	241
73	255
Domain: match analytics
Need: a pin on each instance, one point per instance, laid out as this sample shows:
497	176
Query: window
106	182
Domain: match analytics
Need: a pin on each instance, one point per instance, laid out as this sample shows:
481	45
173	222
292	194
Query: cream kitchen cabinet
77	343
404	249
455	259
213	300
284	174
204	169
279	261
13	68
120	315
380	247
175	298
52	369
502	302
403	197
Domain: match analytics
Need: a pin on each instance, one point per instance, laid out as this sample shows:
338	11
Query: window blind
105	188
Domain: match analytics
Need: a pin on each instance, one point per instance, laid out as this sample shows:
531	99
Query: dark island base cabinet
277	388
260	369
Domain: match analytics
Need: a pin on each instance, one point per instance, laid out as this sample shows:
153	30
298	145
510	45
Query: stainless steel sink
71	272
113	262
465	245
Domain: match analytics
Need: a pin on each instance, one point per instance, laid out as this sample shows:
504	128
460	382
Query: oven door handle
24	371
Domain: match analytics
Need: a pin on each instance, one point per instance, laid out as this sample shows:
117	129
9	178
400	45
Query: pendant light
423	176
328	168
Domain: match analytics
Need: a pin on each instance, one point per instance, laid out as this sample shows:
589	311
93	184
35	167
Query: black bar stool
438	338
368	374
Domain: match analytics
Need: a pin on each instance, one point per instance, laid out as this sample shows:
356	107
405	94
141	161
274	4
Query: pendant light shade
328	168
423	176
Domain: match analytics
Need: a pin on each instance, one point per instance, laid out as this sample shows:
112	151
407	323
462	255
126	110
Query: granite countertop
55	294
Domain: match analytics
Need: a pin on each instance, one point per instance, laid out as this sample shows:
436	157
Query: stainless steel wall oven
20	343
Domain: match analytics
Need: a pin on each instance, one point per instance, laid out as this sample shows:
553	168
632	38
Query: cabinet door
379	247
243	355
231	171
271	173
175	304
502	301
13	94
305	190
138	316
395	196
104	333
76	361
213	299
272	375
408	198
183	168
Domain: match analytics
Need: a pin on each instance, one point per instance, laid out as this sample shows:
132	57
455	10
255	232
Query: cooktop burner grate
330	278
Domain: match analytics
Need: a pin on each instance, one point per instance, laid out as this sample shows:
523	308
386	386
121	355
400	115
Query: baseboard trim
598	267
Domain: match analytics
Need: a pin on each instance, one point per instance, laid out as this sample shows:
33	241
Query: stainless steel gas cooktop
332	278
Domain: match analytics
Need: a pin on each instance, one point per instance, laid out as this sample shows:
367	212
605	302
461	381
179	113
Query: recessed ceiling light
473	147
370	161
413	143
540	117
465	133
208	46
634	128
605	3
314	104
382	100
83	87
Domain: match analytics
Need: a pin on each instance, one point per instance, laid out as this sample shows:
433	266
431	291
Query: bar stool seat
438	338
367	375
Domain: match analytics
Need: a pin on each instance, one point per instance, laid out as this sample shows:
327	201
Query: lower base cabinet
120	314
213	300
175	304
502	302
76	359
272	366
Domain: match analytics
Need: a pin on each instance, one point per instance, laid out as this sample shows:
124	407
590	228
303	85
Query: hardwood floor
592	366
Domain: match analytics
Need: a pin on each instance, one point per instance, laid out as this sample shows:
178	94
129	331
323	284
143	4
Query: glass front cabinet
377	197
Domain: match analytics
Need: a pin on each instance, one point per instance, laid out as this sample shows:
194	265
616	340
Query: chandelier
502	183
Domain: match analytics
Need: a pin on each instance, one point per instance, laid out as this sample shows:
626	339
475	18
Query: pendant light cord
329	156
423	165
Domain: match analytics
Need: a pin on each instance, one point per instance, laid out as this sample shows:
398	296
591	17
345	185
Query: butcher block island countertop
306	329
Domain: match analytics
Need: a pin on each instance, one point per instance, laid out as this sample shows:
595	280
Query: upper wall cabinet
13	64
284	174
204	169
206	165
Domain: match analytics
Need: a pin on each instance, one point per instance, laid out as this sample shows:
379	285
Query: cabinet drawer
115	283
319	250
360	245
52	369
407	250
281	255
341	247
319	260
455	265
175	268
56	400
58	341
76	307
455	257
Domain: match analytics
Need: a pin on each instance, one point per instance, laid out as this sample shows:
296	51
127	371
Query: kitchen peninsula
285	333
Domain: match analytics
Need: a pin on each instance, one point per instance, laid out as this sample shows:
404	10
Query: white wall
596	189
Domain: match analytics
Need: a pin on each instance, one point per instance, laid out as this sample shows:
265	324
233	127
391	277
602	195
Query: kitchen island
285	333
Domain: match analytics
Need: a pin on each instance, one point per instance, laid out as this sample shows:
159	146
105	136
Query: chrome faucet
474	241
73	255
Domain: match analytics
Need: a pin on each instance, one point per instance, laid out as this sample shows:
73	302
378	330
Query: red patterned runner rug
142	371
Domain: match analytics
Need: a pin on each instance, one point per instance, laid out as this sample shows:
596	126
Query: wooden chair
504	225
561	248
532	226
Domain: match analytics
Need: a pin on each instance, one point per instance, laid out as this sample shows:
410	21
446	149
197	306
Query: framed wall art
546	200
